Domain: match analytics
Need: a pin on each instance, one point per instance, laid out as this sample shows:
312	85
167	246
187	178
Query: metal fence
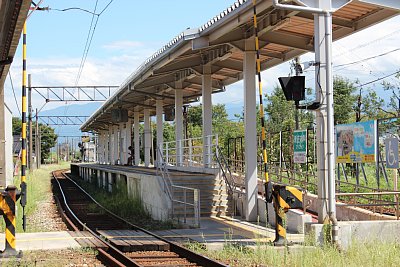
191	152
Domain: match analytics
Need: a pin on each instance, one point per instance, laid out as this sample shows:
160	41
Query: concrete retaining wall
151	193
148	188
347	213
359	231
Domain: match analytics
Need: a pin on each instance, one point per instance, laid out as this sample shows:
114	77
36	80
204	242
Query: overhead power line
88	43
378	79
15	98
74	8
366	59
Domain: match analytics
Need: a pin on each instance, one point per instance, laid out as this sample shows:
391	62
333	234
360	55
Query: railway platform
43	241
216	232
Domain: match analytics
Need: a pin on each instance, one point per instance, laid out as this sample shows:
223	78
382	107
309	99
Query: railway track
118	242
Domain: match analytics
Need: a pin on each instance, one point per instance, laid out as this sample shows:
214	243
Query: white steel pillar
106	147
116	145
178	122
100	147
160	130
111	146
122	143
207	113
250	103
147	137
321	118
128	139
136	122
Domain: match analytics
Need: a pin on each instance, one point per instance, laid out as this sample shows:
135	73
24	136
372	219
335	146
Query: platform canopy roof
221	41
12	19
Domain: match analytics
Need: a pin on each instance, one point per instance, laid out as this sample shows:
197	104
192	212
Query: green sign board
300	146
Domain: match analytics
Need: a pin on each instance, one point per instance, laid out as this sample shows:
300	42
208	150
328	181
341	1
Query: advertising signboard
355	142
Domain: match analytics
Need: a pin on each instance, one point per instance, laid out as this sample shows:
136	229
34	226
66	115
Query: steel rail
115	257
180	250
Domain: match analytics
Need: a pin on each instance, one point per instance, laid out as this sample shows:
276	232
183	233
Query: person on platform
130	158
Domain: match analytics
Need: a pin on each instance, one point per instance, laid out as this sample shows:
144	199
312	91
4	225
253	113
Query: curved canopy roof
12	19
221	41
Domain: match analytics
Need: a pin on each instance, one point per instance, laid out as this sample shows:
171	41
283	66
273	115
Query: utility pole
67	150
298	71
30	154
359	103
37	148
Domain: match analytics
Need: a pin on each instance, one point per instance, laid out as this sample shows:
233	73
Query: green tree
344	99
16	126
280	113
48	137
393	107
370	106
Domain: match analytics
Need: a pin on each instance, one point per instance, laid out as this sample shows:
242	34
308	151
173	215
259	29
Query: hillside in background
86	109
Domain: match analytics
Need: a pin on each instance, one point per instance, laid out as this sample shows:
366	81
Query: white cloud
114	69
124	45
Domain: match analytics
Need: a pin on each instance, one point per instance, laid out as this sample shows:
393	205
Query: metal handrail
225	169
162	168
190	151
169	185
195	205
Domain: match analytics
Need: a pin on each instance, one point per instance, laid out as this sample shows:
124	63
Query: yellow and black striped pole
285	198
8	198
268	186
23	134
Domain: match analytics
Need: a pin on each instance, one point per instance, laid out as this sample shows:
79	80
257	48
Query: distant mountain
89	108
75	109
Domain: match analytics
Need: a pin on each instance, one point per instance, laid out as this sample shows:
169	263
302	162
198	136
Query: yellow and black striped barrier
8	197
285	197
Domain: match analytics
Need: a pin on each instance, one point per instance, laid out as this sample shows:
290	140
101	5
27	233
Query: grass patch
131	209
370	254
38	189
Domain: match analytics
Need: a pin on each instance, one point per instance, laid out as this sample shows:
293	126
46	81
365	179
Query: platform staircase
212	191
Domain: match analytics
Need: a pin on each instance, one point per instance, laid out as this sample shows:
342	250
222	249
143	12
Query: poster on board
355	142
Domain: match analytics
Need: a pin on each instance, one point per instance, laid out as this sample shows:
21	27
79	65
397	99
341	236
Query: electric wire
379	79
87	45
74	8
15	97
104	9
366	59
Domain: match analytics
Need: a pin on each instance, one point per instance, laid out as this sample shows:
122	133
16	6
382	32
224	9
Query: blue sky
130	31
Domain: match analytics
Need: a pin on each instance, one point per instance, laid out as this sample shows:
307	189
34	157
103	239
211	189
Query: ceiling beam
289	40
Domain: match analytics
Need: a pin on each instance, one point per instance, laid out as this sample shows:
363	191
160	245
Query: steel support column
115	144
128	139
249	74
122	143
106	148
111	146
3	165
321	118
147	137
160	129
178	122
136	122
207	113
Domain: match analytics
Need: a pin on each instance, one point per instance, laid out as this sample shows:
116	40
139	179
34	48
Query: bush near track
369	254
38	191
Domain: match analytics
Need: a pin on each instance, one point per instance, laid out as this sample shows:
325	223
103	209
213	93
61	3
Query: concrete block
295	218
